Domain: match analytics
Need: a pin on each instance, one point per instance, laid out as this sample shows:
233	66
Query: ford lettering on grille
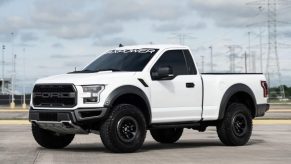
54	96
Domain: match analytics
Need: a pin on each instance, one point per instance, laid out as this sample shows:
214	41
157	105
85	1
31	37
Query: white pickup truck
131	89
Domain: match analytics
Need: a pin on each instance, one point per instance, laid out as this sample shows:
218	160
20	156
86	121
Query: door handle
190	85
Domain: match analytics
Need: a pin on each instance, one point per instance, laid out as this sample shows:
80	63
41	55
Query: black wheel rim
127	128
239	125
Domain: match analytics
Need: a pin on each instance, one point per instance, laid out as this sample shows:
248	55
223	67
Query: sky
54	37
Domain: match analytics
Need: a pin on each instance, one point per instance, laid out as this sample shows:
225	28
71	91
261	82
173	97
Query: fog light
90	100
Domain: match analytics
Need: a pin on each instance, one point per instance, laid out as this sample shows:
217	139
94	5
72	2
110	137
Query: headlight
94	91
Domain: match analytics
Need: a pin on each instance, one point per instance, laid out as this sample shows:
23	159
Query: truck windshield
122	60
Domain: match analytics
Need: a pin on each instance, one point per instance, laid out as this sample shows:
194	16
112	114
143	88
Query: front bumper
262	109
77	116
66	121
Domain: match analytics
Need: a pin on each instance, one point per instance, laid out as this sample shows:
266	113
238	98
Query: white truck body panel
170	100
216	85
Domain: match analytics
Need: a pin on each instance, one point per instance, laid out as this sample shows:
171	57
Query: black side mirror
163	73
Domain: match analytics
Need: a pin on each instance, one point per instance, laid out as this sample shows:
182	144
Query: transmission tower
273	66
233	56
272	72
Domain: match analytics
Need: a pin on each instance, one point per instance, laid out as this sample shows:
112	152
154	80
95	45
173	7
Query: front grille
54	95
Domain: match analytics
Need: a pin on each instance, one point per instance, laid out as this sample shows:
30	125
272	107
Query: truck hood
86	78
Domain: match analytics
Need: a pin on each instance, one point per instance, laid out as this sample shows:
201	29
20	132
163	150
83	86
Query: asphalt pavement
270	143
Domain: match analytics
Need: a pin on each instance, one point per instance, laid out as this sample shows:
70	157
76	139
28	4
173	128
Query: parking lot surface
269	144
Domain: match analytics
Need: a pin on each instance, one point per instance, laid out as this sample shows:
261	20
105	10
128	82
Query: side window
174	59
190	63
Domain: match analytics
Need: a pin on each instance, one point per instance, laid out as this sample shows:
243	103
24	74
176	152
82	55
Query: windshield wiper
93	71
83	71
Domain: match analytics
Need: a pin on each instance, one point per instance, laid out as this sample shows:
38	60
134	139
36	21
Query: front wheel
50	139
235	129
125	129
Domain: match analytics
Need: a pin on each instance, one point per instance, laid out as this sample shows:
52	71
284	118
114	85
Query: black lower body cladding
76	116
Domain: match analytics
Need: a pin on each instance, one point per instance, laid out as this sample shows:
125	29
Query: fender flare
128	89
230	92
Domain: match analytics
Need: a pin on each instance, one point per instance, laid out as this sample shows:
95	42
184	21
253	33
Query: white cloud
2	2
28	36
13	23
113	42
226	13
148	9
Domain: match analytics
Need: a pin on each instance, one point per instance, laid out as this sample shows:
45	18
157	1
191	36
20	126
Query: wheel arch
132	95
239	93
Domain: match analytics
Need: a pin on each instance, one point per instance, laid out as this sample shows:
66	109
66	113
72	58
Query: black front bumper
80	115
262	109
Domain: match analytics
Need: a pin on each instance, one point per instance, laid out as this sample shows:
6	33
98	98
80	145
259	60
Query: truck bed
215	86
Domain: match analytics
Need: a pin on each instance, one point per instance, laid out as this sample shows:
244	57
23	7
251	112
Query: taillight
265	88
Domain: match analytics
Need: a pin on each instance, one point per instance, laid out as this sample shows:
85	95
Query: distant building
7	86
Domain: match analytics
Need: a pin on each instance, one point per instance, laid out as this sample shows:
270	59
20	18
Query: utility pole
13	82
246	64
261	44
202	63
24	78
12	104
249	48
254	69
3	63
261	51
211	58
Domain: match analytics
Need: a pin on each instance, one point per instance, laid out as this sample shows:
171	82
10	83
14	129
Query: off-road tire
115	131
235	129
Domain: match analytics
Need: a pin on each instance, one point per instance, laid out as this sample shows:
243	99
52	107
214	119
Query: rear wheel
125	129
235	128
169	135
50	139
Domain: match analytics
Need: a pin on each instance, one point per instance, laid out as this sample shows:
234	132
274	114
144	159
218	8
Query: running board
175	125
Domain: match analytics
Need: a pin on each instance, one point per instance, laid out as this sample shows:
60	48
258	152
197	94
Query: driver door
178	98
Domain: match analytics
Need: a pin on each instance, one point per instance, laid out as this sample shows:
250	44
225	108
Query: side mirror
163	73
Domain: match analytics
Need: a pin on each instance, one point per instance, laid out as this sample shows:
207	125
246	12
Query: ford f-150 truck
131	89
